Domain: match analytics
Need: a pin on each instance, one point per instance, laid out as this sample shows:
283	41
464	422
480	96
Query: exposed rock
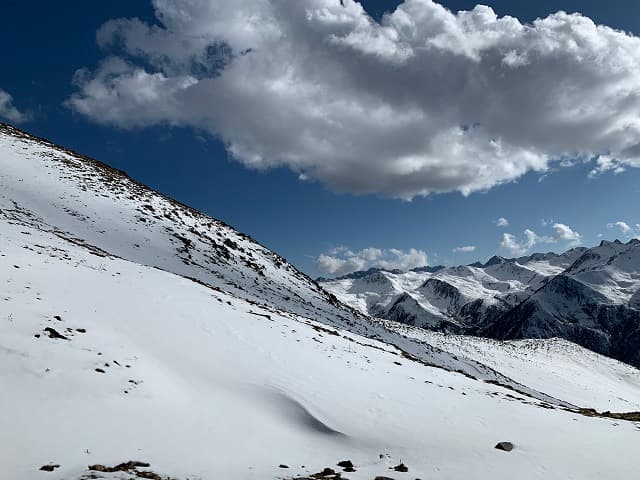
504	446
122	467
53	333
149	475
401	468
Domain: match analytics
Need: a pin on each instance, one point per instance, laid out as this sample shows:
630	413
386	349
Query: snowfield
183	355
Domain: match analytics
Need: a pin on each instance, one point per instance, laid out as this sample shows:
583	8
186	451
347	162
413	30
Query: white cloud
629	231
341	260
620	225
466	249
338	266
561	232
516	247
564	232
8	111
423	101
502	222
606	163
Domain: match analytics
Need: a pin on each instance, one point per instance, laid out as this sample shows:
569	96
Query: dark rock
149	475
327	473
282	465
504	446
401	468
122	467
53	333
347	465
49	468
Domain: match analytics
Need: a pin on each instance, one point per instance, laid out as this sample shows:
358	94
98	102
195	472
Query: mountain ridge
498	298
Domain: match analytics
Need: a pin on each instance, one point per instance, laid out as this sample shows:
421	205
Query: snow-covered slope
612	269
80	200
133	328
201	384
75	197
560	368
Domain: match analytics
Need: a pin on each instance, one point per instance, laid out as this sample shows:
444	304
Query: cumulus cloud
565	232
620	225
629	231
561	232
520	247
8	111
466	249
423	101
342	260
502	222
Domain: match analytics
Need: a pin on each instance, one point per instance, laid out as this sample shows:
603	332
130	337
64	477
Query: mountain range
140	338
590	296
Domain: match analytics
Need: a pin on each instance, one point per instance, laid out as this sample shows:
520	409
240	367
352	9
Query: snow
557	367
223	391
612	269
212	362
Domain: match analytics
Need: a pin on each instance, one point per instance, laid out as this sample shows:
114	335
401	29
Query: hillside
133	328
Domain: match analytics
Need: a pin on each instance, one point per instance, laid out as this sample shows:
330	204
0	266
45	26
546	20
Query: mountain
453	299
592	303
142	339
588	296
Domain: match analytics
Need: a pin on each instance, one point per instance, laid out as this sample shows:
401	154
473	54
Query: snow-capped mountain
142	339
588	296
451	298
592	303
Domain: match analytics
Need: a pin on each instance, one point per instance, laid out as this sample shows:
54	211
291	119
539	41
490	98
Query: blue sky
304	219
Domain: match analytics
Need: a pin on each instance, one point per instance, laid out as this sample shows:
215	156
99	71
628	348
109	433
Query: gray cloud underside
424	101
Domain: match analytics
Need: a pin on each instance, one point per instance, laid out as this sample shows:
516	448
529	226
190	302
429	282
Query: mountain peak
495	260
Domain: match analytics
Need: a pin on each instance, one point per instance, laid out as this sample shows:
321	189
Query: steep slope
103	361
567	308
592	303
76	197
612	269
46	188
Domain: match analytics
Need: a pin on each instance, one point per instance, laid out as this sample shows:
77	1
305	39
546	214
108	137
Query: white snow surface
232	372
